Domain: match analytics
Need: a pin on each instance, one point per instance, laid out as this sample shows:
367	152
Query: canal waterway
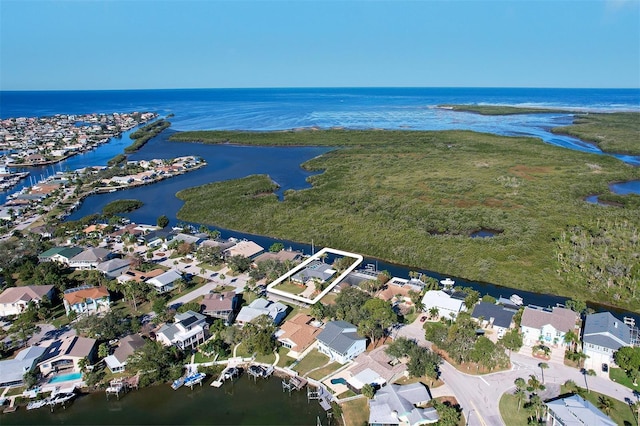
243	402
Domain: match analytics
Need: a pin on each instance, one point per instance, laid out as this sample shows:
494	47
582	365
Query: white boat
61	398
177	383
37	404
516	300
194	379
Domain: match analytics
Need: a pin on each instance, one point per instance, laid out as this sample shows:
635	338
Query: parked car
423	319
605	368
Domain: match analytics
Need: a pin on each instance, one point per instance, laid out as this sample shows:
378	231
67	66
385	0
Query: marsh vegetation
414	198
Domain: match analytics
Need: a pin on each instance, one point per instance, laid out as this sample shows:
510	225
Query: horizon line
319	87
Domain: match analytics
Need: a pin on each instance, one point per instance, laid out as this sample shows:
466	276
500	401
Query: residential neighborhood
359	336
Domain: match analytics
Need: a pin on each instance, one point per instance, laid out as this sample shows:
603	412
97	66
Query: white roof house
164	282
447	306
187	331
575	411
397	405
13	370
276	310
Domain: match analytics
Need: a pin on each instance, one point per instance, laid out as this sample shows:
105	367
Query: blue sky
146	44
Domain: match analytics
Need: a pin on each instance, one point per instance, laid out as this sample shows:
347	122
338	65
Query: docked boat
516	300
61	398
177	383
194	379
37	404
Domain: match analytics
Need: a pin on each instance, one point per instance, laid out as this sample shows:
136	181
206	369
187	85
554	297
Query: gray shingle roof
338	336
603	329
501	317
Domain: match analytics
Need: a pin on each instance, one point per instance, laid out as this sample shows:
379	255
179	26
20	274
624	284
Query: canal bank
240	402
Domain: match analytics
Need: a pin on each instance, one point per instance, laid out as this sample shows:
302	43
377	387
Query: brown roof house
547	325
221	305
15	300
86	300
65	354
127	346
298	334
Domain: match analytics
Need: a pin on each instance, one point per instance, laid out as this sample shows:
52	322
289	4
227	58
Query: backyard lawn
356	412
314	359
290	287
325	371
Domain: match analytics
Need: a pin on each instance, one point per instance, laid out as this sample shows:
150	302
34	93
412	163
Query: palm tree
571	338
520	395
605	404
636	406
543	366
434	312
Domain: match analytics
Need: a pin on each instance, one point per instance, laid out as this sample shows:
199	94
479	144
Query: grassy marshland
414	198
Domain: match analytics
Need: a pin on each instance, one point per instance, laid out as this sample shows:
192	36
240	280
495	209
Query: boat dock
122	385
228	373
259	371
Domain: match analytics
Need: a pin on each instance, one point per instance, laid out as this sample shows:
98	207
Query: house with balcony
15	300
187	331
86	300
602	336
547	325
221	305
496	317
64	355
339	340
90	258
447	305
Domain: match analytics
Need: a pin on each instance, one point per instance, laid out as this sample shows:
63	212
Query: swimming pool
65	377
339	380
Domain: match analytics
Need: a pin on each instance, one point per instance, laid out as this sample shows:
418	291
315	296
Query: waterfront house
400	405
315	271
187	331
447	305
114	267
574	410
281	256
166	281
156	238
126	347
12	371
276	310
386	368
86	300
298	334
496	317
547	325
221	305
243	248
65	354
14	300
603	335
59	254
340	341
90	258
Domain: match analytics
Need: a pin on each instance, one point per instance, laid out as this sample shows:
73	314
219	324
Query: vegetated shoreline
413	197
614	132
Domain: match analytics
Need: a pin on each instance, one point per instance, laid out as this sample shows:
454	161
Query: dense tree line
462	343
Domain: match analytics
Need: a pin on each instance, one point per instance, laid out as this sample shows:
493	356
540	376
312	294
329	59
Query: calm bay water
243	402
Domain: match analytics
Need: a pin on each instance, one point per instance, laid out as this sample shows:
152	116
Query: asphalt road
479	396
